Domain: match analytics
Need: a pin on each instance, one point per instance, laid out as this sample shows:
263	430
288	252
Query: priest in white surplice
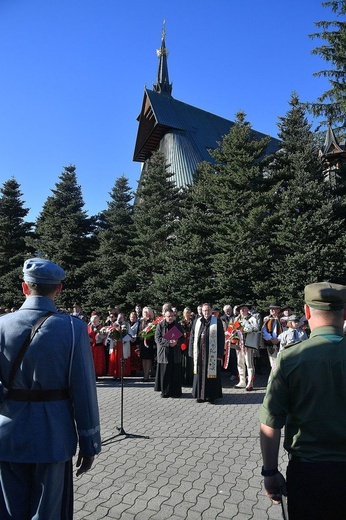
207	341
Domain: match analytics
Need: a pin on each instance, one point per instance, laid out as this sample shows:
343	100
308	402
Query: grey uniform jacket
59	357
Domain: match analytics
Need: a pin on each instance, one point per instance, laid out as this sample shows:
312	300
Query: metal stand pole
121	430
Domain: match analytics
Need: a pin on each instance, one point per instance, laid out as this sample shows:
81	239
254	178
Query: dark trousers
35	491
233	362
316	490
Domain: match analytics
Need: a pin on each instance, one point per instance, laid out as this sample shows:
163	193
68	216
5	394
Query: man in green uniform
307	395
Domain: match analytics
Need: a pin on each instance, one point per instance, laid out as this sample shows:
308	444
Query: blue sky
72	76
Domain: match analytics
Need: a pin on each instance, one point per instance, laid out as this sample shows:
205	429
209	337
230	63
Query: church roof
331	144
184	133
167	114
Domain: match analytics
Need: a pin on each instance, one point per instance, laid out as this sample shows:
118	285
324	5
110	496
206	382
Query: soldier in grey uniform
48	402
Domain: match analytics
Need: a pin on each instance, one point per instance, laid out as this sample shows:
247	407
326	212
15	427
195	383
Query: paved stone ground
196	461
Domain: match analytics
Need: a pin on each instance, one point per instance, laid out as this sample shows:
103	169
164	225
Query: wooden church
182	132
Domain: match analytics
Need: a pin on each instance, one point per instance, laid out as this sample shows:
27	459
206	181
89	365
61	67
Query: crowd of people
207	342
49	361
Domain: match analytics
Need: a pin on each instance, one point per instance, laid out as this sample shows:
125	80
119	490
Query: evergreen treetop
156	217
14	232
306	233
332	103
64	233
110	281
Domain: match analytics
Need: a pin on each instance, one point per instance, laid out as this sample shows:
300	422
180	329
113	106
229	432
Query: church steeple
162	85
333	156
331	144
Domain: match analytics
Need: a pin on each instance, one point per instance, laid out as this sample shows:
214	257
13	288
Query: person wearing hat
293	333
245	353
271	330
112	311
284	314
307	396
48	403
78	313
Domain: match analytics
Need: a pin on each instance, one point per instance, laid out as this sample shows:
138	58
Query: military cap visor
325	296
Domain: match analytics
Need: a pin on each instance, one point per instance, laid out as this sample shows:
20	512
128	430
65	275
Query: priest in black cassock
206	347
169	337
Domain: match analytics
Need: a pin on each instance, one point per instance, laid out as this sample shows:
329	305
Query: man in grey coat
48	404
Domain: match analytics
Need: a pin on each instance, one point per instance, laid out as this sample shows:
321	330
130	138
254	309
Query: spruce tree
156	216
241	244
110	282
220	231
241	255
14	232
188	277
306	224
64	233
332	103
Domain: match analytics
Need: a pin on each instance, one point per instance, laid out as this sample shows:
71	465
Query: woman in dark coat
168	372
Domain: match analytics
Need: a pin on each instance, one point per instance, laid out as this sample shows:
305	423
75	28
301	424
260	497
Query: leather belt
22	394
298	459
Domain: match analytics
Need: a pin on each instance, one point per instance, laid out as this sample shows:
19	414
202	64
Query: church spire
331	144
162	85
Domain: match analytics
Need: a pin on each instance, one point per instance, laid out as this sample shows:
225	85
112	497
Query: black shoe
200	400
164	396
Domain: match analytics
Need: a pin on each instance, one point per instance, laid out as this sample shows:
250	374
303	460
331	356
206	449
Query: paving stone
199	462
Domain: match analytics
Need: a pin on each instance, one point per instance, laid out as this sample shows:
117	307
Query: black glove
83	463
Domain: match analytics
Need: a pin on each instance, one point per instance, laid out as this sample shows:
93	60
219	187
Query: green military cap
325	296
